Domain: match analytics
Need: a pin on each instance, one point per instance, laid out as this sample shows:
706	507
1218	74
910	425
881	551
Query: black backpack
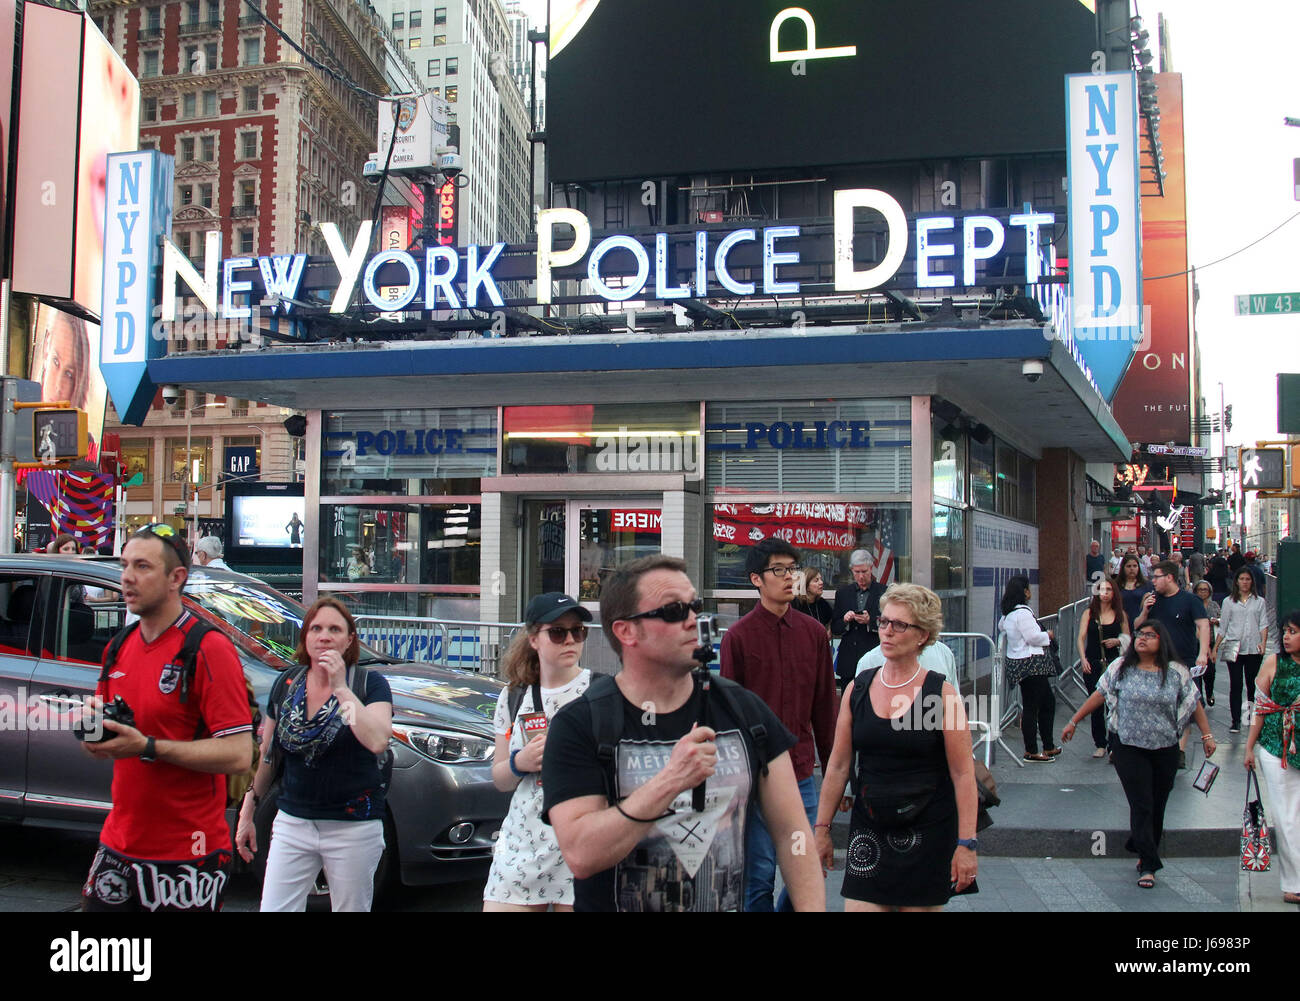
607	723
359	673
516	699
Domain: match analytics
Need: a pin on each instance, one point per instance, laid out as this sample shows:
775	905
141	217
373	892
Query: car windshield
262	622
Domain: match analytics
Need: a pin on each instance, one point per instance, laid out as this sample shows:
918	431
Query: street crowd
670	786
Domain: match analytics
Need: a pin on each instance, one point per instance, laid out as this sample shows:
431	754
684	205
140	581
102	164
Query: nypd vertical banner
1105	222
138	212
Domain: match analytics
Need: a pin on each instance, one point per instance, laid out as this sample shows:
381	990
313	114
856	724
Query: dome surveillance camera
1032	369
450	164
171	395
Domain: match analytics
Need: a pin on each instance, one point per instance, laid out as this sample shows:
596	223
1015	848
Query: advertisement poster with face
65	362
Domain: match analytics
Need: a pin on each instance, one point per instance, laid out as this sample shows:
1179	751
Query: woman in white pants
331	802
1276	708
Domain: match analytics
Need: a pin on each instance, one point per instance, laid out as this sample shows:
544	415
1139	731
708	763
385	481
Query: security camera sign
421	126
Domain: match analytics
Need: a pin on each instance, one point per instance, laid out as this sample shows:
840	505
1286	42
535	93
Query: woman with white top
542	673
1243	631
1029	667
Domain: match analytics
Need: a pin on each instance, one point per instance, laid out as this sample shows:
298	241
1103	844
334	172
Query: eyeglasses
890	625
674	611
782	571
1148	634
558	634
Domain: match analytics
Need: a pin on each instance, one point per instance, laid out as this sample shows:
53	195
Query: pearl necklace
902	684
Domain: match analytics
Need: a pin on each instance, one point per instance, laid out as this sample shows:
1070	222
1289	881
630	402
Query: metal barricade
1067	636
464	644
982	713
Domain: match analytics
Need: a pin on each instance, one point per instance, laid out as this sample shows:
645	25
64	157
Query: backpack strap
114	648
189	655
741	708
516	699
606	700
274	758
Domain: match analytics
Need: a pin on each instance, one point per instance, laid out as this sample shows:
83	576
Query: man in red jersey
166	845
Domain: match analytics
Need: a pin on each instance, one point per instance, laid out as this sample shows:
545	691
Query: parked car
58	613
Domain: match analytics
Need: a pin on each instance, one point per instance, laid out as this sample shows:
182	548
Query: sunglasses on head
558	633
168	536
674	611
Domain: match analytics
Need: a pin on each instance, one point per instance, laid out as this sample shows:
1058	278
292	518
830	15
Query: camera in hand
118	711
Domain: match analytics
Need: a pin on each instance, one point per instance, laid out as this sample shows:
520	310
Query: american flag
884	554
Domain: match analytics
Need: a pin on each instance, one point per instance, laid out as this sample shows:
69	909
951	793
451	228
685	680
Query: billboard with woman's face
65	362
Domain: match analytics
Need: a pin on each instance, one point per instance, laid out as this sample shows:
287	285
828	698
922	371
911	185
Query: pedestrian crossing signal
60	435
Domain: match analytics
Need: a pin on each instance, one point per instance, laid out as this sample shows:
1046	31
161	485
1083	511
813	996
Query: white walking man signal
1251	468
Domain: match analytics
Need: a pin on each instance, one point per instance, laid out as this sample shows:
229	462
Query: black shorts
119	883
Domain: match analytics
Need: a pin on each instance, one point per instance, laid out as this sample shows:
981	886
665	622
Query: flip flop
1147	881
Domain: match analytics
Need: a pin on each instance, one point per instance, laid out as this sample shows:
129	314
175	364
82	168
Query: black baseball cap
550	606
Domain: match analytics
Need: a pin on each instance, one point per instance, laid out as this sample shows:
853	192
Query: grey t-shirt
1142	711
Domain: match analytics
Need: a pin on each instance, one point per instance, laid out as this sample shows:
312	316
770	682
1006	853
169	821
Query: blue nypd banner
138	212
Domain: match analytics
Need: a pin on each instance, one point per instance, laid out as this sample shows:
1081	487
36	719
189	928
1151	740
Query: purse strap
1251	777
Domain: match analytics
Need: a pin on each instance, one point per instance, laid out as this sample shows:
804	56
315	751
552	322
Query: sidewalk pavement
1057	840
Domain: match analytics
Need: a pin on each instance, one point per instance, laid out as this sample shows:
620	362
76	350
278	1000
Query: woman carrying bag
1029	667
1243	631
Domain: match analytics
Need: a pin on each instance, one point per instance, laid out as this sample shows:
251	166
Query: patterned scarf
309	738
1264	705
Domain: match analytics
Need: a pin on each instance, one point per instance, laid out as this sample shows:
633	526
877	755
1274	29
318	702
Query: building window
416	18
187	106
437	92
150	63
248	193
214	11
414	43
187	194
211	60
186	149
252	98
399	21
137	457
252	51
439	39
153	18
192	9
248	145
245	241
453	65
209	103
452	94
151	109
205	195
181	466
208	149
435	67
188	64
440	15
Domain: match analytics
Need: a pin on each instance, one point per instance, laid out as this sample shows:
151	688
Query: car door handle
62	698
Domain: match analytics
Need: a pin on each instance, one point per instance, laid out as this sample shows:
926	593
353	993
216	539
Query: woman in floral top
1149	700
1273	729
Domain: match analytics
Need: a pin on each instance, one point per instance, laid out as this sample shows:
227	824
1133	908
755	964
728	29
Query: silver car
58	613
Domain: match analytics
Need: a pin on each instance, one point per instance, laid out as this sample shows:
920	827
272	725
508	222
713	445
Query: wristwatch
150	754
972	843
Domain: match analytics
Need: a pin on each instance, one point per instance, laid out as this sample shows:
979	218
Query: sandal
1037	757
1099	753
1147	881
1291	898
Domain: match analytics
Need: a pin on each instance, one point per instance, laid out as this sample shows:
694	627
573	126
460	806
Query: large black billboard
645	89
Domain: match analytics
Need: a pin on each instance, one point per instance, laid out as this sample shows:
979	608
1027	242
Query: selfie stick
703	655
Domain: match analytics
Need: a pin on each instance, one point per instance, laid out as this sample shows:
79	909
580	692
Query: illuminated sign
642	520
1105	222
138	210
949	251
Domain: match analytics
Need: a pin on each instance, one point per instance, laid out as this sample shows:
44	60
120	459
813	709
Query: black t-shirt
686	862
345	782
1179	614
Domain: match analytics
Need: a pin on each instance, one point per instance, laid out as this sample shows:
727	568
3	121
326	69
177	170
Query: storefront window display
414	549
193	467
137	457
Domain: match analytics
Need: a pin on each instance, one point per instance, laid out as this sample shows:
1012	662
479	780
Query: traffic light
59	435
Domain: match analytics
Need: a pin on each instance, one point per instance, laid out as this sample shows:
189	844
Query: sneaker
1099	753
1235	728
1039	758
1210	701
1052	752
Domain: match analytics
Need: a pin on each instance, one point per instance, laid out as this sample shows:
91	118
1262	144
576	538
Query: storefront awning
978	369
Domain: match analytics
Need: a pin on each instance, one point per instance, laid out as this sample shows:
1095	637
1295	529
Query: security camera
1031	369
450	164
171	395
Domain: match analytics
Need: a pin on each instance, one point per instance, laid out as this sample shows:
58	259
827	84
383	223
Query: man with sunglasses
785	660
166	844
622	805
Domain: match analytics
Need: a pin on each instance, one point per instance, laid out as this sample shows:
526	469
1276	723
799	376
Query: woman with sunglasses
1103	635
1151	699
912	836
1273	728
1243	632
542	673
